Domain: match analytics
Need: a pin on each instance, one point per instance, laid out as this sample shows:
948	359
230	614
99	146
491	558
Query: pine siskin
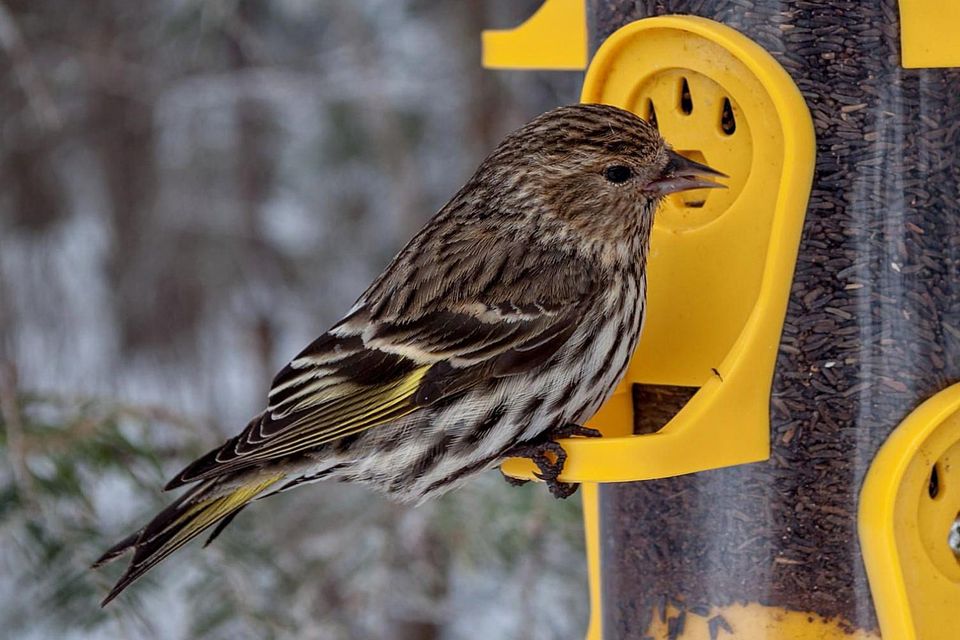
502	326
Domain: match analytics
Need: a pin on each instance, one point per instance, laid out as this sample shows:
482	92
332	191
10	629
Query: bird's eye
617	174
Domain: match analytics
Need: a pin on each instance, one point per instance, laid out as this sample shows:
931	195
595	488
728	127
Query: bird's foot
549	458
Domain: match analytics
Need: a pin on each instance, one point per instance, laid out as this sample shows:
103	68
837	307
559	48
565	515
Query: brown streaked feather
223	524
351	413
204	506
484	290
465	348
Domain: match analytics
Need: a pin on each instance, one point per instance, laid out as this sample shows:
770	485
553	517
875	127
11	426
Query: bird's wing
367	372
361	374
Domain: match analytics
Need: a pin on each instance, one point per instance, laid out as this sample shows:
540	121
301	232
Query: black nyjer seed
872	330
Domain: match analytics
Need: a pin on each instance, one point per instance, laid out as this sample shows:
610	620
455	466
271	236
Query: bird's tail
207	504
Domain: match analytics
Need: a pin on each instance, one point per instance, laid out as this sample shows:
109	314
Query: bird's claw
571	429
562	490
549	469
514	482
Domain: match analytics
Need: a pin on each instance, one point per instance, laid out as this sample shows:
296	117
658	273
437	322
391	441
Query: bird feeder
782	458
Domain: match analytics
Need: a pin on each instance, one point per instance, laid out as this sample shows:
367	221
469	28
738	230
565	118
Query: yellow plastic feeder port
721	262
909	507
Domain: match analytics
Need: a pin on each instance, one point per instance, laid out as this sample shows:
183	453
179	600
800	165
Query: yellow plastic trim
555	37
928	33
719	275
914	576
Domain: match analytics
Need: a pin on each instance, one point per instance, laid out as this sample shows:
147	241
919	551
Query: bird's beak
683	174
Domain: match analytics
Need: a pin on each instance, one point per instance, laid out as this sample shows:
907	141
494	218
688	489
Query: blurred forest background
191	191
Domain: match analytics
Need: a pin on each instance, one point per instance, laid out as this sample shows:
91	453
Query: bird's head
590	170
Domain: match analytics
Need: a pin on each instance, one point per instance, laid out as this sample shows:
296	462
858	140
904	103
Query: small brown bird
502	326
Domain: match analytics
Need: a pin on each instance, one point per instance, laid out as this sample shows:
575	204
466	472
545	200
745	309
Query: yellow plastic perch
721	262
